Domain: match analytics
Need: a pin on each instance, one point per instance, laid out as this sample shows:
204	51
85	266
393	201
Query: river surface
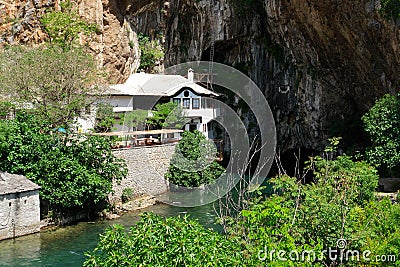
65	246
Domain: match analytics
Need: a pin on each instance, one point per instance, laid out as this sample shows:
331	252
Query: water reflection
66	246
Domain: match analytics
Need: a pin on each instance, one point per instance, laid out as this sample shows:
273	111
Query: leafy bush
64	26
6	108
167	115
338	204
390	9
72	171
382	123
151	52
56	83
104	117
360	179
134	119
127	195
194	161
155	241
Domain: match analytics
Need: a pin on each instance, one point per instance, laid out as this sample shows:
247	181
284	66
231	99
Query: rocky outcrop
115	47
321	64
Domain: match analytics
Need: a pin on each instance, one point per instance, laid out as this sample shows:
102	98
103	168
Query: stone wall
19	214
146	169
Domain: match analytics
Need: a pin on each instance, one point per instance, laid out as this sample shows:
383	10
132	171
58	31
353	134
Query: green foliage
6	108
72	171
135	118
382	123
155	241
54	82
359	178
167	115
338	205
194	161
104	117
300	217
64	26
127	195
151	52
390	9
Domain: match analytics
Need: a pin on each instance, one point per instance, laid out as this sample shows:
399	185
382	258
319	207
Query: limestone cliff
321	64
115	48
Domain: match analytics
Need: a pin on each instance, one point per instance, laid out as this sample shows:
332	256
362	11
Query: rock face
115	48
321	64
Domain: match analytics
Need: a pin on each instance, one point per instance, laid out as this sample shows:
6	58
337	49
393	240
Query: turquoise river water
65	246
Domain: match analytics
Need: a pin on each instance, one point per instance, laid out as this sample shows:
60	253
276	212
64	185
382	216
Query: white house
143	91
19	206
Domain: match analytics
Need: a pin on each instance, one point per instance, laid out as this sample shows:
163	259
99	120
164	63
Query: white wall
19	214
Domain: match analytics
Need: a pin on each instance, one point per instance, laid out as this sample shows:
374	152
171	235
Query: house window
186	94
195	103
186	103
177	101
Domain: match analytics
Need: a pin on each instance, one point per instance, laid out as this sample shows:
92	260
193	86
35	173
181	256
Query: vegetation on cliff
390	9
65	26
151	53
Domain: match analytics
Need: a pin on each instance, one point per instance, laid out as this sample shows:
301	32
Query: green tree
382	123
194	161
151	52
313	217
390	9
73	171
155	241
105	118
167	115
64	26
55	83
134	119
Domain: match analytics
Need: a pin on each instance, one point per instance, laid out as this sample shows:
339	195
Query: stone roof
14	183
156	85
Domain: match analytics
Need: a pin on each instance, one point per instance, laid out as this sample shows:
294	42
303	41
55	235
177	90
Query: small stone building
19	206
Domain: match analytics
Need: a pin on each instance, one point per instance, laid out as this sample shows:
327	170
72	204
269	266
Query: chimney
190	75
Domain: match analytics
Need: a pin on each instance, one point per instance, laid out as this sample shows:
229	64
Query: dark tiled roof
13	183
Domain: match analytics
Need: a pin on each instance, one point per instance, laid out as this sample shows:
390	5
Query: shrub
151	52
73	171
127	195
65	26
167	115
194	161
390	9
298	217
382	123
104	117
360	179
155	241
